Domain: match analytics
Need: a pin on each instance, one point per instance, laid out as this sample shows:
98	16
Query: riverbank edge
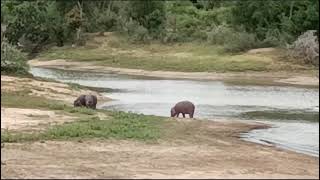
304	79
73	66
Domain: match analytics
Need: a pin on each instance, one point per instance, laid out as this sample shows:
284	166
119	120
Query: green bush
241	41
274	38
171	37
190	23
289	17
36	24
12	59
219	35
231	40
136	32
101	20
155	24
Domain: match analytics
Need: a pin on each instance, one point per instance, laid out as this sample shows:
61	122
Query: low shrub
13	61
231	40
306	48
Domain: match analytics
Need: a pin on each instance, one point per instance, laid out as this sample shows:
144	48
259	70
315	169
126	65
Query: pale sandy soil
219	154
273	77
30	119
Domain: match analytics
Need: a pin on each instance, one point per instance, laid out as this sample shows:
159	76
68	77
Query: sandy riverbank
219	154
305	79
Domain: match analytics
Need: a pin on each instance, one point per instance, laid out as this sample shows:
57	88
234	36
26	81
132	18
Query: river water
293	112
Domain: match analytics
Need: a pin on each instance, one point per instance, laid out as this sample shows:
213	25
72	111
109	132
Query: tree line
236	25
273	22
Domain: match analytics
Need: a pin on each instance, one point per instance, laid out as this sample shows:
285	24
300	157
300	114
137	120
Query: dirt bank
305	79
219	154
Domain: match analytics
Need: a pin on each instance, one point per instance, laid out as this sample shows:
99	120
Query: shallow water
295	121
302	137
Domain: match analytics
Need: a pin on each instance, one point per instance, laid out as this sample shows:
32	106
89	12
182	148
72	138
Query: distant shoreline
271	78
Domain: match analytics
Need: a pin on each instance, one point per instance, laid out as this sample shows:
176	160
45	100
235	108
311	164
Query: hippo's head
173	112
90	103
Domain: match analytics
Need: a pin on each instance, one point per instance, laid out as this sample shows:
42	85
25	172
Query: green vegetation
120	125
13	61
227	26
14	99
281	20
247	24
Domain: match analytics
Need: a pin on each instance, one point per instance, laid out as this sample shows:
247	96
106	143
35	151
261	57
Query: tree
30	22
150	14
287	16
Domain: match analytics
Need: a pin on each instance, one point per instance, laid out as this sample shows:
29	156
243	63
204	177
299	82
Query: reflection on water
213	99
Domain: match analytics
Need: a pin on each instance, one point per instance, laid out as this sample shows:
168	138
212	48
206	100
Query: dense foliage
236	25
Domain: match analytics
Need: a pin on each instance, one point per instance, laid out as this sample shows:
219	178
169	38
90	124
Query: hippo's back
184	106
80	101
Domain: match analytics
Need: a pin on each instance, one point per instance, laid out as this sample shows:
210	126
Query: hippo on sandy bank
89	101
184	107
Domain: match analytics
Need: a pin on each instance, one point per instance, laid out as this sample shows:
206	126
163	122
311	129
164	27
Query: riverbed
293	112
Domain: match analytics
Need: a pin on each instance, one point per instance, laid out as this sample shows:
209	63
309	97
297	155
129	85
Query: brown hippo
91	101
80	101
184	107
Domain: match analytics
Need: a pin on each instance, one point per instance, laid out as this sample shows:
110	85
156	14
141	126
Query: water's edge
297	108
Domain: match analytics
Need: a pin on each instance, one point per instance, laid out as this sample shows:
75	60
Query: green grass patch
22	99
121	125
89	123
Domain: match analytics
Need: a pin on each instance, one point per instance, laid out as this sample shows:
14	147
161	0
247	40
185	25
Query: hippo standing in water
89	101
184	107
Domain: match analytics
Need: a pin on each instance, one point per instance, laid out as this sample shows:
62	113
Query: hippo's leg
178	114
192	113
183	115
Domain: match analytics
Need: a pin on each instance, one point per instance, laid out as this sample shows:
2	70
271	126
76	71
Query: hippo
80	101
184	107
91	101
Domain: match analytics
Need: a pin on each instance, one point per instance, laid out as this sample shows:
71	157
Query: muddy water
293	112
